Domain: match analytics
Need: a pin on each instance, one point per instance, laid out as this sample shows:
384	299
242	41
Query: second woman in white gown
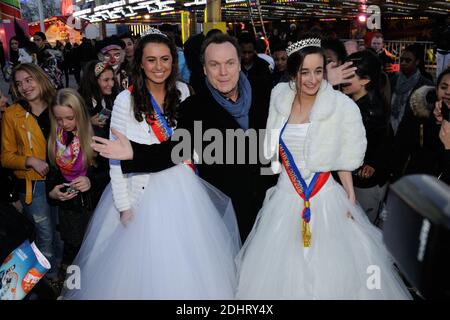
164	235
310	240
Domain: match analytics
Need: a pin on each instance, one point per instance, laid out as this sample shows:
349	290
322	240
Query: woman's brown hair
140	91
47	91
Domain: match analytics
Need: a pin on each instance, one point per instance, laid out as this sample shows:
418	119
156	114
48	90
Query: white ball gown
181	244
346	259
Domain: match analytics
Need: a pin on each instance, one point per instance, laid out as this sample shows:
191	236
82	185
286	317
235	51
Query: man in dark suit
226	102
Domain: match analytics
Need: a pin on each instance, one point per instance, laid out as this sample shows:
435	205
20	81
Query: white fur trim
336	139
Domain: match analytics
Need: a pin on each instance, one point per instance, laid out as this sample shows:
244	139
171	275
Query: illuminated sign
123	9
203	2
195	3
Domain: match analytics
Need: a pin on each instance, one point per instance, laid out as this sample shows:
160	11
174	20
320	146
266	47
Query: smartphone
104	115
68	188
445	111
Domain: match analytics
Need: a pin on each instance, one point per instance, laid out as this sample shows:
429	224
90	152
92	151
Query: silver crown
310	42
153	31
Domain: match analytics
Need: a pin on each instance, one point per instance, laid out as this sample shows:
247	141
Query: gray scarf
239	110
402	91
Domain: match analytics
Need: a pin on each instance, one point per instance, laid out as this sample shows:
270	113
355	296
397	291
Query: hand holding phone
67	188
445	111
104	115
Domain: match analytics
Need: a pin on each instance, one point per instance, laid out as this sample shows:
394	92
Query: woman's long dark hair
89	88
14	54
138	77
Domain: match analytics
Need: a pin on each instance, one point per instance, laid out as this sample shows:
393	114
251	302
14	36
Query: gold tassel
306	232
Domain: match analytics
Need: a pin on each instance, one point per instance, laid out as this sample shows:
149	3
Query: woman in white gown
310	240
165	235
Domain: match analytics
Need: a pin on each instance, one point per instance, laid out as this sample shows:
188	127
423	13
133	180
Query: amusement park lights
203	2
124	9
362	18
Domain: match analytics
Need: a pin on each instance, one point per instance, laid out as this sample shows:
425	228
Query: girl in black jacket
370	180
69	182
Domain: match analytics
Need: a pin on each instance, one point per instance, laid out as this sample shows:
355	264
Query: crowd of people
94	172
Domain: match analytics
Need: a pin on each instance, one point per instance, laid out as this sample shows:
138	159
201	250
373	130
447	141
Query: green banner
12	3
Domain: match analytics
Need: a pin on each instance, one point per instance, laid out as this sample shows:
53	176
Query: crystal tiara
310	42
155	31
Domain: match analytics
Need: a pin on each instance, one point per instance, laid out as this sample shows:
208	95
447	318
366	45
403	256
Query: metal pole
250	12
258	5
41	15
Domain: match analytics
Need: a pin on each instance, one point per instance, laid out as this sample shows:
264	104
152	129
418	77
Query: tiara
154	31
310	42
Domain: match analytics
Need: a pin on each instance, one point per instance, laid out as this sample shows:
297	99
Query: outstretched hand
340	74
119	149
437	112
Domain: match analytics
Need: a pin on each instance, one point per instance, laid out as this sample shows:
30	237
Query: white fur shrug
336	139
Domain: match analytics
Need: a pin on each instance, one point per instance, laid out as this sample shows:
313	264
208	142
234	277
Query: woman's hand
18	205
119	149
126	217
338	75
96	121
57	194
437	112
38	165
366	171
82	184
347	183
444	134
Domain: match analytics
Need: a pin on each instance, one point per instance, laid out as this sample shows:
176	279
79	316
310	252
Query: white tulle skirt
346	260
181	244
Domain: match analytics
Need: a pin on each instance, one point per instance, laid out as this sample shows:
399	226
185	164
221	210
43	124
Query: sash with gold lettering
305	191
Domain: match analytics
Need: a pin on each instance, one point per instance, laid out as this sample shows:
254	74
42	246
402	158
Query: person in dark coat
280	73
404	83
257	71
85	52
226	102
417	147
67	64
14	51
49	59
370	180
444	135
386	58
2	57
253	65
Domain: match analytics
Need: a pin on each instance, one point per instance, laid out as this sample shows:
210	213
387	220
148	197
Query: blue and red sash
160	127
305	191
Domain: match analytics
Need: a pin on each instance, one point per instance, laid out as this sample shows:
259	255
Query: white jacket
127	188
336	138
